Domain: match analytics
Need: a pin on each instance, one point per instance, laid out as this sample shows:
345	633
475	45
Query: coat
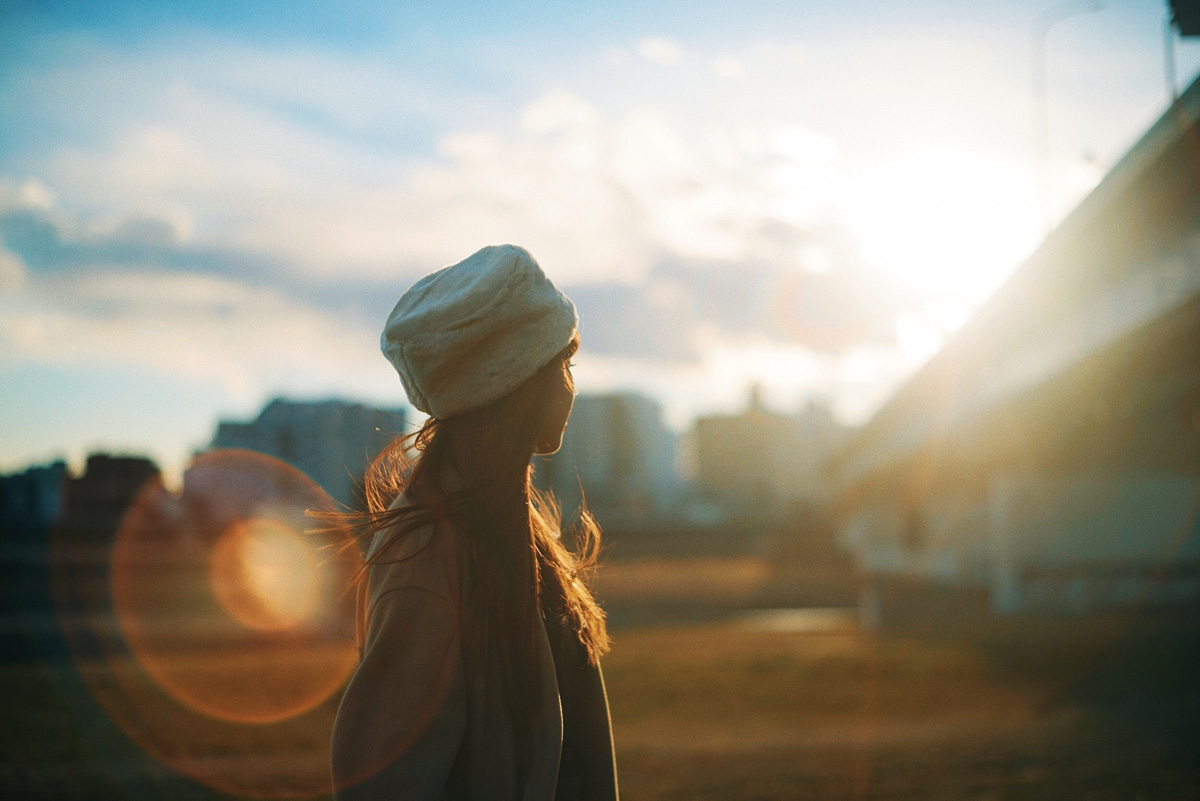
424	718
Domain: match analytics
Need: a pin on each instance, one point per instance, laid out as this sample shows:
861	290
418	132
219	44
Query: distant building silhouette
1048	458
332	441
31	501
618	448
84	508
95	501
31	505
57	534
760	462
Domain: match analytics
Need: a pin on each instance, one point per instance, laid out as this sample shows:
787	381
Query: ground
720	713
1101	707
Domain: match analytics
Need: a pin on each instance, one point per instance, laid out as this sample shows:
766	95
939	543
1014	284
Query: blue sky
206	205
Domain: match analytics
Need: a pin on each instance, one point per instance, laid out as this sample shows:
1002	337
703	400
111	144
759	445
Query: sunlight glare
946	221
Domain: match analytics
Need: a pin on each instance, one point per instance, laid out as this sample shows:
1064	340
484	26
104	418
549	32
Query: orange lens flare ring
233	624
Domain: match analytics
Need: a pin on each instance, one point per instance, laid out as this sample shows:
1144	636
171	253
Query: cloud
251	341
12	270
219	236
685	306
254	232
729	67
595	196
132	293
257	152
49	242
139	275
34	194
135	294
623	320
660	50
241	214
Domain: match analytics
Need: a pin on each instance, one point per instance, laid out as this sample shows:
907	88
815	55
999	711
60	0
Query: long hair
517	565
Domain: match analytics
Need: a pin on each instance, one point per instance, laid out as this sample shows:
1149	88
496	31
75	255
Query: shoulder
423	557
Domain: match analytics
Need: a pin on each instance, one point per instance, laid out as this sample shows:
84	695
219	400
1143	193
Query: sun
945	221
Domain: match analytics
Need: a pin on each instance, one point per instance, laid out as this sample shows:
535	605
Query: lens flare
265	575
227	627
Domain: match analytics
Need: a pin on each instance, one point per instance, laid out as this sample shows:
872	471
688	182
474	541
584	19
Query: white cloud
12	270
595	195
250	341
599	189
660	50
729	67
35	194
601	179
558	111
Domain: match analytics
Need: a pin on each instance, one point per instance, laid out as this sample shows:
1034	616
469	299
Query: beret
472	332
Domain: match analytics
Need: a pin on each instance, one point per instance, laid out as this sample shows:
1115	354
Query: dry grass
717	712
729	580
1001	711
717	676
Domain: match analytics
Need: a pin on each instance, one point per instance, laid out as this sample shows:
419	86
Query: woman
479	676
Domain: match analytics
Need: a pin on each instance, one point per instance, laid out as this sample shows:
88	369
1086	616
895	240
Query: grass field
1065	712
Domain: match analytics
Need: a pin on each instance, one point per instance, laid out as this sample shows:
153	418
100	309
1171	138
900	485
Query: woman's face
562	397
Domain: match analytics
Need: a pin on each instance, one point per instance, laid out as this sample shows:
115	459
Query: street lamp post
1041	104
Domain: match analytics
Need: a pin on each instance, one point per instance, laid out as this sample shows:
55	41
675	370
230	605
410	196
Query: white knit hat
472	332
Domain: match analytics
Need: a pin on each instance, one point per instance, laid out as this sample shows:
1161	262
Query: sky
205	206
